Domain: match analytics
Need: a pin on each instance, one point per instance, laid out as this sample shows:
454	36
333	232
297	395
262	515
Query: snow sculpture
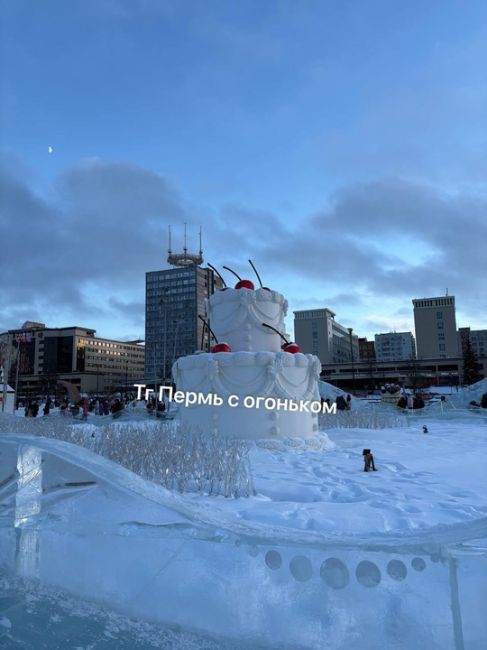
261	387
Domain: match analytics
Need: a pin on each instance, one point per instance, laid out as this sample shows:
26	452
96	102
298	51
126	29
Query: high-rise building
395	346
174	300
317	332
435	327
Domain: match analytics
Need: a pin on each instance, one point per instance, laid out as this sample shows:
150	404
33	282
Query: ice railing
199	569
157	450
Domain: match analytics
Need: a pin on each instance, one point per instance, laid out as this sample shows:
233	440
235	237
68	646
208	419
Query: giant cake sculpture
250	364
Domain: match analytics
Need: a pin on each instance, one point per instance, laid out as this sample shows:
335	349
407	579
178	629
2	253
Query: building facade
477	338
175	297
435	327
395	346
414	374
317	332
366	349
39	356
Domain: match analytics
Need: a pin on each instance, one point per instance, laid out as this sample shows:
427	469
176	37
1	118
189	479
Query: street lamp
350	330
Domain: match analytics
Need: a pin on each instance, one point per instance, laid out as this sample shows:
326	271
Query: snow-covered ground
324	555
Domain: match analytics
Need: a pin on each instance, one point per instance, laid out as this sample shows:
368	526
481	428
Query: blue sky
340	145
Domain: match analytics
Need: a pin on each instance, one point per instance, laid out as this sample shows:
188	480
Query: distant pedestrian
341	403
368	460
47	406
84	408
425	428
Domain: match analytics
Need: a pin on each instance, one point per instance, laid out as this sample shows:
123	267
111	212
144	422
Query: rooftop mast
184	259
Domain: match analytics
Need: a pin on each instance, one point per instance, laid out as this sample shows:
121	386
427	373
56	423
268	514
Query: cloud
92	239
371	235
81	252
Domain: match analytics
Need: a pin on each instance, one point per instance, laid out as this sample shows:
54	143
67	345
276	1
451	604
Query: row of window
436	302
105	344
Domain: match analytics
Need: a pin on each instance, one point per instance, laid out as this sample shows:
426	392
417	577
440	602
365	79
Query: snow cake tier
239	379
236	317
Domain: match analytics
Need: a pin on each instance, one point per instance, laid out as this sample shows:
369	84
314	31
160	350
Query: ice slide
72	519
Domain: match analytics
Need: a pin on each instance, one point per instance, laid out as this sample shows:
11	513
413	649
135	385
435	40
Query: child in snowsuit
368	460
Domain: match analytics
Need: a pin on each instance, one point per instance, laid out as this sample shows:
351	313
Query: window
442	347
439	315
441	336
440	325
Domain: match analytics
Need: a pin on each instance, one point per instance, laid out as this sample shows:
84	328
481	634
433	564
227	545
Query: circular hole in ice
397	570
300	568
334	572
273	560
253	551
418	564
368	574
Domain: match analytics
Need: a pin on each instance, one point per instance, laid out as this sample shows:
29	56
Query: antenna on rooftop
184	259
447	291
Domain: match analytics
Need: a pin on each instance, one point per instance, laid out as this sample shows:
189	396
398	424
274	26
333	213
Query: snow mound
328	391
468	394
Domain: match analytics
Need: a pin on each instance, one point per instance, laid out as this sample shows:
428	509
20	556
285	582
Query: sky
342	146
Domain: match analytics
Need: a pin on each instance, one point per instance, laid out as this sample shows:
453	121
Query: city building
435	327
394	346
477	338
37	357
414	374
175	298
366	349
317	332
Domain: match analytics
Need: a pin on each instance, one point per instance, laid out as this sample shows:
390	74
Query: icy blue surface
73	522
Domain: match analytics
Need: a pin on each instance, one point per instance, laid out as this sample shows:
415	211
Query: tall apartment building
38	356
317	332
435	327
477	338
395	346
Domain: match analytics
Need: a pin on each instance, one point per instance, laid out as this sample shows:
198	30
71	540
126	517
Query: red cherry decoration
221	347
245	284
241	284
293	348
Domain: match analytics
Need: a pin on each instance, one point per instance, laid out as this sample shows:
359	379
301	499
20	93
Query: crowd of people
96	405
343	404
